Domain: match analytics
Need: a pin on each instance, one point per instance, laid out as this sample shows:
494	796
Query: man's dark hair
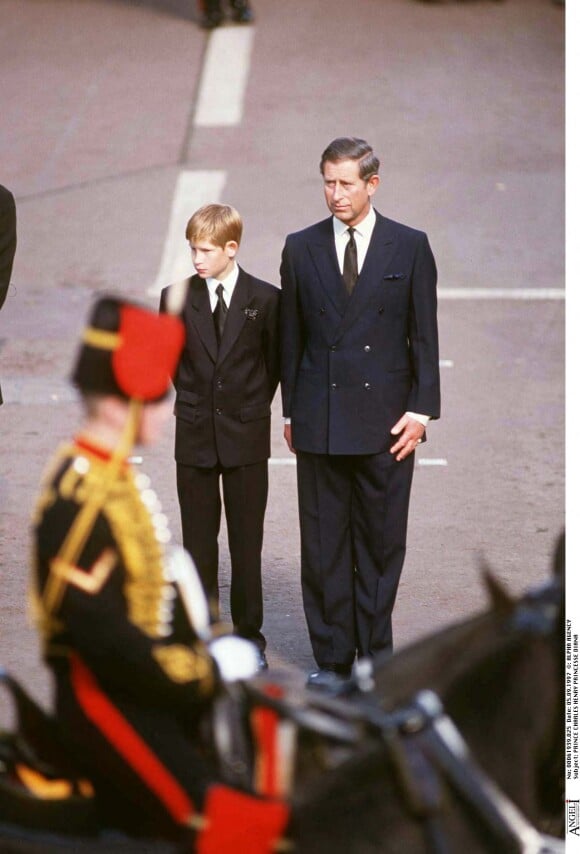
351	148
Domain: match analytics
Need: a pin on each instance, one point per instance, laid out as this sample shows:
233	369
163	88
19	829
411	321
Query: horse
452	745
499	678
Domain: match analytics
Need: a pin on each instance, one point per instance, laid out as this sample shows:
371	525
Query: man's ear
372	184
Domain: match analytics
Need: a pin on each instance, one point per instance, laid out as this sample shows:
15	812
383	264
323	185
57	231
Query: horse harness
424	746
426	750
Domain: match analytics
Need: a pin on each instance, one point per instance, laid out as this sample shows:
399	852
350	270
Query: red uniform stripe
129	744
265	723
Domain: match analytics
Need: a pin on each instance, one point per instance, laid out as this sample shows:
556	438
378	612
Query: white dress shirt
229	284
362	237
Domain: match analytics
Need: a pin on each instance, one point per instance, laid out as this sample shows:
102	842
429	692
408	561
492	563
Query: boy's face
211	261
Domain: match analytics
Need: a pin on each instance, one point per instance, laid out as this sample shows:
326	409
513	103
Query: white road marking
502	293
220	100
446	363
31	391
193	189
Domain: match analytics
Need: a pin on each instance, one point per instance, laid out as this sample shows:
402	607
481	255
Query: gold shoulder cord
84	522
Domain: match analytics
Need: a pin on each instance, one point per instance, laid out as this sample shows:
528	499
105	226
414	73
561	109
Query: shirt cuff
422	419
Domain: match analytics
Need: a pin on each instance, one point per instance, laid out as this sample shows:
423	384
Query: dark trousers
245	493
353	526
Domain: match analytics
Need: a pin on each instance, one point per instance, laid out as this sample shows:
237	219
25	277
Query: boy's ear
231	248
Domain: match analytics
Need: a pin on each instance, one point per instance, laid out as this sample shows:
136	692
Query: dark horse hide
499	677
452	746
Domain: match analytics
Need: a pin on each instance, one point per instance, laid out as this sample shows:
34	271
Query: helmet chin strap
129	434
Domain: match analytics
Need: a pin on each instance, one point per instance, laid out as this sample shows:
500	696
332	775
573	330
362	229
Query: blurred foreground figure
122	615
213	15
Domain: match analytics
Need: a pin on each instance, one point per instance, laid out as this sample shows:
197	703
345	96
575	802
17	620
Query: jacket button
367	386
322	311
219	384
333	347
381	310
367	348
218	411
333	386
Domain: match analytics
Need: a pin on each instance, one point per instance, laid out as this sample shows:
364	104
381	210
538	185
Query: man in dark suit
225	383
7	242
360	380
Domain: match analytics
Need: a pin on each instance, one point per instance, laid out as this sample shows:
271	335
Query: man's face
211	261
348	197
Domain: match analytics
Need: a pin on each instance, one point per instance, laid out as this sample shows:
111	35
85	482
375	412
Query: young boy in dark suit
225	382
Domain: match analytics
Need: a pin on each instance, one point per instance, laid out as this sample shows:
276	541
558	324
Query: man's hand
288	437
409	434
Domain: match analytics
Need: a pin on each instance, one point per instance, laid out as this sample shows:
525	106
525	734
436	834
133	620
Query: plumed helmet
128	350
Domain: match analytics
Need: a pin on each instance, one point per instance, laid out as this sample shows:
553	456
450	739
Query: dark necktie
350	267
219	313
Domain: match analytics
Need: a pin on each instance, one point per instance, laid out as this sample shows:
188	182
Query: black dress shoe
262	661
211	20
328	678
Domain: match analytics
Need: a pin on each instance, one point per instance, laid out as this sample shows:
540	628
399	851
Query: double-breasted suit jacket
352	366
223	395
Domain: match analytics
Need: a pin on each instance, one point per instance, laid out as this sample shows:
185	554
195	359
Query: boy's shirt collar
229	284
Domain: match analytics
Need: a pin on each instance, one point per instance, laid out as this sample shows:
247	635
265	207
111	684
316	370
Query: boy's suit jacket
223	397
352	367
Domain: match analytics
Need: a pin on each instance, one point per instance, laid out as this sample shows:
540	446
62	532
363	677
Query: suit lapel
236	317
202	316
381	249
323	253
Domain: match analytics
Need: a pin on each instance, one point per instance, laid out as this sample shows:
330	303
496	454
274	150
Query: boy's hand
288	437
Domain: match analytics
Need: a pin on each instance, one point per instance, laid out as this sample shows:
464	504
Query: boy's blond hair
217	223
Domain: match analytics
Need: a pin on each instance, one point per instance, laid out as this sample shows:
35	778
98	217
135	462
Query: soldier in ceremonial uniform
122	614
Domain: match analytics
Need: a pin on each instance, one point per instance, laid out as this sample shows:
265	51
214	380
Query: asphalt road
463	101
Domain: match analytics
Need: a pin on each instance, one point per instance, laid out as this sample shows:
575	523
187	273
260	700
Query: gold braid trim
101	339
182	664
92	581
142	555
85	520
